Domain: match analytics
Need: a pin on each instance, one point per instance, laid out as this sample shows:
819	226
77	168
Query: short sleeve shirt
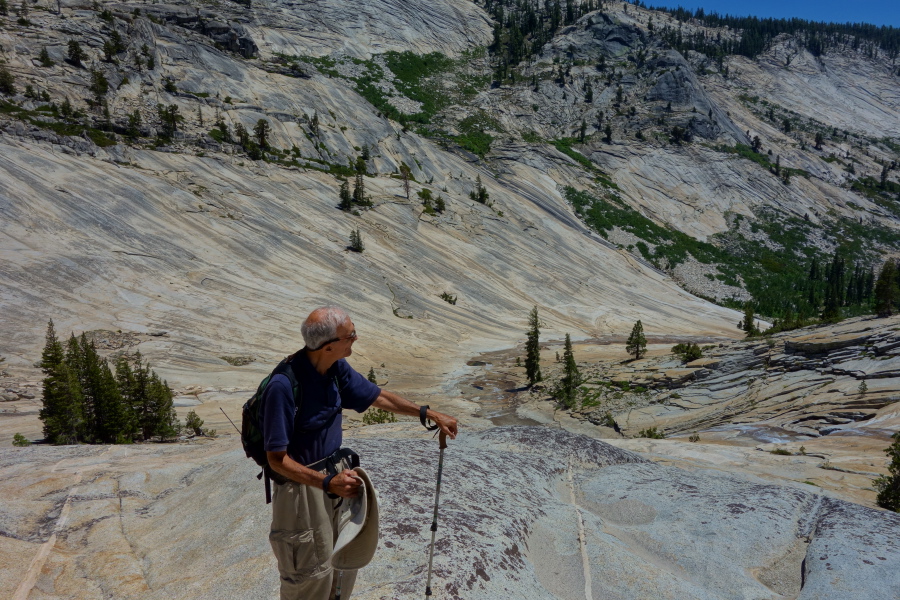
314	431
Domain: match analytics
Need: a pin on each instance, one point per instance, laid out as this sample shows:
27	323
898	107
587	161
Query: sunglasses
353	337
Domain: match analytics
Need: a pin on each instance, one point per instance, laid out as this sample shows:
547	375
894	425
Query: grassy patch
473	136
419	77
564	145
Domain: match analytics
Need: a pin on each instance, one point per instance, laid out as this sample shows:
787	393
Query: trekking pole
437	493
229	419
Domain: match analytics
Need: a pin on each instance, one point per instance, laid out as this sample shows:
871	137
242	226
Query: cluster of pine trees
358	197
830	291
84	401
837	286
522	27
887	289
757	34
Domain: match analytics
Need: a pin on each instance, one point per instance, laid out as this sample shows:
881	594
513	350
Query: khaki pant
305	526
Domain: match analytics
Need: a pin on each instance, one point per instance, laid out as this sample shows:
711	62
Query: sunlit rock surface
524	512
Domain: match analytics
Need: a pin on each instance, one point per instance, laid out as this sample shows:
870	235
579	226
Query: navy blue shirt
316	431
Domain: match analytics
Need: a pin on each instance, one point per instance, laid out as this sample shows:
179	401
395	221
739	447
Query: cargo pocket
295	552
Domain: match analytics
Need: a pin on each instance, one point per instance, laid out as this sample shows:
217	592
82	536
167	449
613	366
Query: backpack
251	429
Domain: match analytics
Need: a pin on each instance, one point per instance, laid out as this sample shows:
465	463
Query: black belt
330	464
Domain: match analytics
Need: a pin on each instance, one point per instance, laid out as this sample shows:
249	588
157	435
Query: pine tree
7	82
102	401
75	362
427	202
134	124
45	59
834	289
748	324
261	131
61	408
4	8
440	205
582	131
126	382
566	392
887	292
166	423
112	417
346	199
99	85
359	191
404	174
222	126
169	119
533	348
356	242
76	54
637	343
371	376
243	137
480	193
66	109
888	486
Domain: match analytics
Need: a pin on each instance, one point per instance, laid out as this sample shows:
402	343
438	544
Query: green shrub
780	452
238	361
651	432
20	440
472	133
377	416
608	420
687	352
194	423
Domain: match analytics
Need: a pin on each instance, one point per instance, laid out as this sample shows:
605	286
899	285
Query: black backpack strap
283	368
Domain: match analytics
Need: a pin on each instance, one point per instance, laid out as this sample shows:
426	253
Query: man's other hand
345	484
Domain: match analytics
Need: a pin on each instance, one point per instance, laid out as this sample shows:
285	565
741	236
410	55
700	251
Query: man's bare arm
391	402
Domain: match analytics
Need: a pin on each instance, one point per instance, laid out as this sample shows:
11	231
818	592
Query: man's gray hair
321	326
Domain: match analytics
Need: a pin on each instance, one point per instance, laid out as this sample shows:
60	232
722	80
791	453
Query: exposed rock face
524	512
362	29
799	384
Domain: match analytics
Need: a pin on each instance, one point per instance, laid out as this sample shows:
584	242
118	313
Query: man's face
346	334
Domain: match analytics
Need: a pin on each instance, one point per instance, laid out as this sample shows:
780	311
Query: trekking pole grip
442	440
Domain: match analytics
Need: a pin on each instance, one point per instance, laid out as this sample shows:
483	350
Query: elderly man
303	445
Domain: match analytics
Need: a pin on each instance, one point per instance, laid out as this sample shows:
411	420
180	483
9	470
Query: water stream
496	393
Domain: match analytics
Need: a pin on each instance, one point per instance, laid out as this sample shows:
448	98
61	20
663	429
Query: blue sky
879	12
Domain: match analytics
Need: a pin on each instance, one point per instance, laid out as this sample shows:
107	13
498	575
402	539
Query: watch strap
423	410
